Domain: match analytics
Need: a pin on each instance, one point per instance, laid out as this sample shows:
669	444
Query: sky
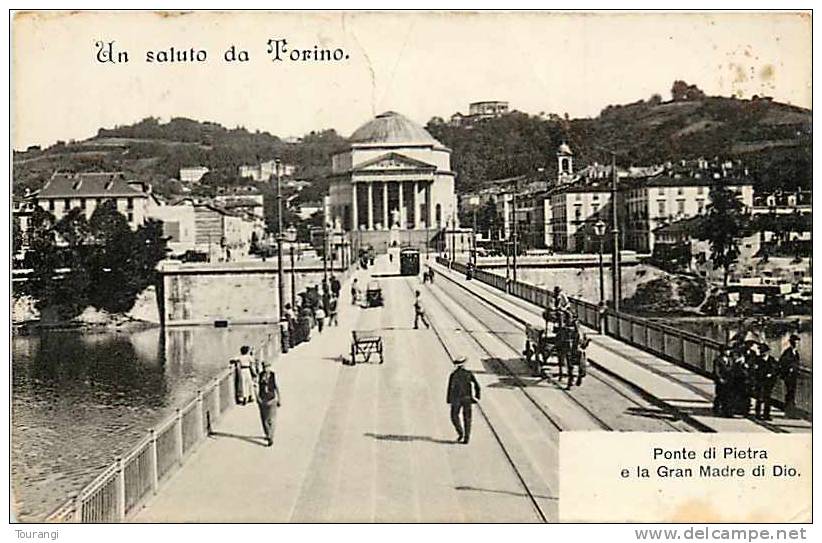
419	64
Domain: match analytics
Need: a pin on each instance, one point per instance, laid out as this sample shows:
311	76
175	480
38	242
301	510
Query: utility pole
514	219
325	249
280	295
474	234
615	263
293	278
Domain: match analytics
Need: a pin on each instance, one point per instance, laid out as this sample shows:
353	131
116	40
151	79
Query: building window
662	191
595	197
51	205
700	190
661	204
67	204
130	203
680	207
577	214
700	206
438	212
130	216
680	191
578	197
83	203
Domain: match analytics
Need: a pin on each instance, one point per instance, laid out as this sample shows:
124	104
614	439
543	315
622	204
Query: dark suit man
268	400
789	369
765	374
463	390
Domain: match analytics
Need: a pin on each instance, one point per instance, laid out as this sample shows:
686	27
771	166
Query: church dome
391	127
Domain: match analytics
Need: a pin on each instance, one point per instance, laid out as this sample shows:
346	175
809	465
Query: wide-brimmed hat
794	337
459	360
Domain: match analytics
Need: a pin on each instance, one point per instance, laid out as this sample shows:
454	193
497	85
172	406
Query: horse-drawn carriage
561	342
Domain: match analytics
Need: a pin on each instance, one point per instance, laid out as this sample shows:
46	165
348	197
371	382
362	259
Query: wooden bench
365	343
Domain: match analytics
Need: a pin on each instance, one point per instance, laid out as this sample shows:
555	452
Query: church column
370	206
385	223
354	218
428	202
401	208
417	221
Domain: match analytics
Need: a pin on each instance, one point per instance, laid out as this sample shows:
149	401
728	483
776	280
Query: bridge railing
124	485
683	348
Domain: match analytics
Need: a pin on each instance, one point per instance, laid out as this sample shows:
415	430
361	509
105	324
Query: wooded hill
772	139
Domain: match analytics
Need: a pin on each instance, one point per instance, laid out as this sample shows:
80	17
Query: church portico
394	177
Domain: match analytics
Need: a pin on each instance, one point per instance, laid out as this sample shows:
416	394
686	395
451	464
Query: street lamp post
599	230
615	264
293	277
280	295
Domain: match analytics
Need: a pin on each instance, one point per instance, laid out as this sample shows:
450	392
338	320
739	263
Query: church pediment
393	162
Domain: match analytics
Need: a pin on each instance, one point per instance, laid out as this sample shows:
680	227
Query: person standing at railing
268	400
789	371
766	373
244	369
723	367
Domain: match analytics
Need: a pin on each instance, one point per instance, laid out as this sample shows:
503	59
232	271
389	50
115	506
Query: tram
409	261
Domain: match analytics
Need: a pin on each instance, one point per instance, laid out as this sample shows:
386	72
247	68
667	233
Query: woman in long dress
244	372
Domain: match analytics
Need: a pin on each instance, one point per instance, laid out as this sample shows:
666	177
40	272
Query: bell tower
565	163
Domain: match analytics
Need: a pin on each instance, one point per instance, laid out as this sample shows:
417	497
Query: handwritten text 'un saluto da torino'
278	50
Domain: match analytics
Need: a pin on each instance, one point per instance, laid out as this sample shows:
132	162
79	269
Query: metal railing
683	348
124	485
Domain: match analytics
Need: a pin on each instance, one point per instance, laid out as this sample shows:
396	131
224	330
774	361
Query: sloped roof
90	184
391	127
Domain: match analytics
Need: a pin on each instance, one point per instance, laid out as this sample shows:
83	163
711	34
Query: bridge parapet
683	348
123	486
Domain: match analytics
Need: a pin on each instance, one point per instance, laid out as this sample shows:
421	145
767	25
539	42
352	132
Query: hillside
155	152
772	139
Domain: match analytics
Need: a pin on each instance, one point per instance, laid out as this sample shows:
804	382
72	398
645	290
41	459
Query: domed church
394	185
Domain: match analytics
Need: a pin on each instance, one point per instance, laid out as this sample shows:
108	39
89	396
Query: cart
373	295
365	343
540	350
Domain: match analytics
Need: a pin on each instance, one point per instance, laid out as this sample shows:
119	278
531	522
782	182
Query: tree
722	228
16	236
110	260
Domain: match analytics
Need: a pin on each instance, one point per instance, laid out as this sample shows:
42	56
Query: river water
80	399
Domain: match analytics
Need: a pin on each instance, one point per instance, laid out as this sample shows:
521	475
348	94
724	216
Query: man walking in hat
268	400
463	390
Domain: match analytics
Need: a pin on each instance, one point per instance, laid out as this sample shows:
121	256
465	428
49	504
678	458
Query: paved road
365	443
374	442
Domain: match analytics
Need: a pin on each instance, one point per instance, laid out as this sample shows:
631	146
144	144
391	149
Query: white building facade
395	177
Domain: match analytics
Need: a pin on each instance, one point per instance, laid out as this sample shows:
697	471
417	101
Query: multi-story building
193	174
242	198
652	202
782	203
480	110
394	177
574	209
488	109
65	191
264	171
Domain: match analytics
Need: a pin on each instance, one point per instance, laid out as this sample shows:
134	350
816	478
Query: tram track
601	423
611	381
497	438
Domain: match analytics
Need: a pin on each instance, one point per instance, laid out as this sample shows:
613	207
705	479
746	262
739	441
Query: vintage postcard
411	267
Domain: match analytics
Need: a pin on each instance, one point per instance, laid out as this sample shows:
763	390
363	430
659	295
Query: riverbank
27	319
